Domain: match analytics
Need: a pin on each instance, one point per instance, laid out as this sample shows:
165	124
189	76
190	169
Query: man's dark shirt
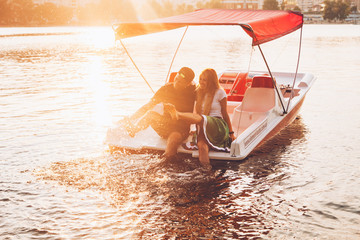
182	100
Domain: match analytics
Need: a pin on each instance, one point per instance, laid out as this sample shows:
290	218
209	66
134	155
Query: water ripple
62	87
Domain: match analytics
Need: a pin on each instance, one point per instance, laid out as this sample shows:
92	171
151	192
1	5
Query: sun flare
99	92
102	37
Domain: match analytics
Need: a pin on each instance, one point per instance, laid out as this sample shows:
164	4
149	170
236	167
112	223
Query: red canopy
261	25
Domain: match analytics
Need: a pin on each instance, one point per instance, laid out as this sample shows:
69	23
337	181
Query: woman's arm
223	104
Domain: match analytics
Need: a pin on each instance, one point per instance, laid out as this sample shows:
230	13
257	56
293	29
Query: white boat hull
267	125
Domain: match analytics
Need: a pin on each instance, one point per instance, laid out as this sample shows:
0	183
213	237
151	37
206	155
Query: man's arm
141	111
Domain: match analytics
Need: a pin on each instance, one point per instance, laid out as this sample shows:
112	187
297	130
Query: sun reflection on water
101	37
99	91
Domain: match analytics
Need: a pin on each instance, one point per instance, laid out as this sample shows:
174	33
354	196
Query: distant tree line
26	13
336	10
271	5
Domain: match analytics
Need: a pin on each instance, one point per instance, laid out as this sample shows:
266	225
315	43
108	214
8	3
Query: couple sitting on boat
170	113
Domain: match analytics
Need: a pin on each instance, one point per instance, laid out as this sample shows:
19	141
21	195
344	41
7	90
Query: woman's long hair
204	97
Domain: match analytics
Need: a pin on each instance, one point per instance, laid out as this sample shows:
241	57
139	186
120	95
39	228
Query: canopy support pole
296	72
273	80
177	49
122	44
249	28
233	88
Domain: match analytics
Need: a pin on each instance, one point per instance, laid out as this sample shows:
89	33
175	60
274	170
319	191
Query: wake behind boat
260	104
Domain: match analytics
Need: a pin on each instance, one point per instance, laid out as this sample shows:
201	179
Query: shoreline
306	22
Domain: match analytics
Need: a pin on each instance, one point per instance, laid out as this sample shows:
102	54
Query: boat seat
262	81
255	105
236	83
258	100
227	80
239	88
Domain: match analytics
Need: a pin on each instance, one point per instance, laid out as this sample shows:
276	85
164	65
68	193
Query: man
180	93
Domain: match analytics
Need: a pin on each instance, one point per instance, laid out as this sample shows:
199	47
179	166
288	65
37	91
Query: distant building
243	4
304	5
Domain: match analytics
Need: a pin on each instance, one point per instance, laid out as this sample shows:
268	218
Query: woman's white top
215	110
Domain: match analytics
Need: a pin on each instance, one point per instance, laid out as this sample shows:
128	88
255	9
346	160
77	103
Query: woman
213	122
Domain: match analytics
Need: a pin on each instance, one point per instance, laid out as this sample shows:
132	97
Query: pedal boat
260	104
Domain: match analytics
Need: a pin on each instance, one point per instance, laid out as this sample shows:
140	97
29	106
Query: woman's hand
232	136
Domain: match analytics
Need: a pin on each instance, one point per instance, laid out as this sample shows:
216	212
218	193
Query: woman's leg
203	149
203	153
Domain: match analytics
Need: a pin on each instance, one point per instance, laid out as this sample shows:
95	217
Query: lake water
62	87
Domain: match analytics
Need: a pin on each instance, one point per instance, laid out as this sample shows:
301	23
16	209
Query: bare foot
206	167
130	131
171	110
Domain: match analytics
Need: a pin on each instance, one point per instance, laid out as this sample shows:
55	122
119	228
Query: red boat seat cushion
262	82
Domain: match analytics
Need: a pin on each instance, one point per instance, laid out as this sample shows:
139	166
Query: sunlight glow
99	91
145	11
102	37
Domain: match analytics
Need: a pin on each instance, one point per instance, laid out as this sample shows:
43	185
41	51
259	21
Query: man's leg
173	142
149	118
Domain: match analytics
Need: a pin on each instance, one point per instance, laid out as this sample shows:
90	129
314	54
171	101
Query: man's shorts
164	125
